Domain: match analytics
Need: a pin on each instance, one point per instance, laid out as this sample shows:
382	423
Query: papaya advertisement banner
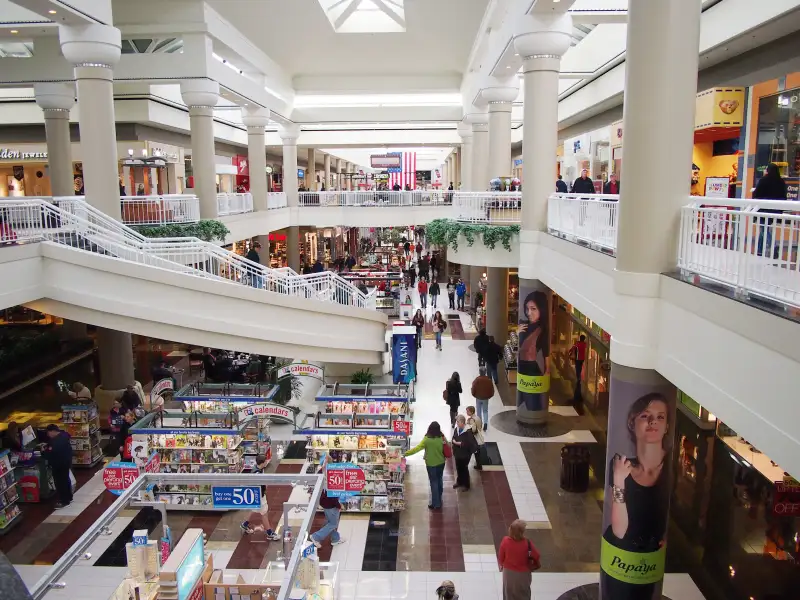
533	358
638	483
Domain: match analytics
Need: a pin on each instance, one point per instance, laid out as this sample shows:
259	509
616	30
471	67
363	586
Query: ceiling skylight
365	16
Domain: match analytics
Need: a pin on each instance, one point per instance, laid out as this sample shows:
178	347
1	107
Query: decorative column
500	94
311	171
475	276
256	119
541	41
480	150
56	100
350	177
457	176
94	50
201	96
497	304
289	135
327	162
662	62
465	131
339	170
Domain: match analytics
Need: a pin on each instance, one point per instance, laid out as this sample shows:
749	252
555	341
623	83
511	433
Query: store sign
197	592
164	384
717	187
13	154
302	370
386	161
404	357
153	464
719	107
237	498
635	568
786	499
119	476
267	409
344	479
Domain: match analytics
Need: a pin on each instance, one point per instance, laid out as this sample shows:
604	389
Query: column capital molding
54	96
200	92
499	106
475	118
465	131
93	45
256	117
543	35
480	127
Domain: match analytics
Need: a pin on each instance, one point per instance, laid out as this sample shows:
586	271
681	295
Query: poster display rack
82	423
195	442
9	510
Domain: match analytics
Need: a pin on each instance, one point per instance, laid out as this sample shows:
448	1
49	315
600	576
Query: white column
500	95
327	171
94	50
349	179
56	100
311	171
289	135
153	180
655	29
480	154
465	131
255	119
339	169
457	172
541	44
201	96
126	180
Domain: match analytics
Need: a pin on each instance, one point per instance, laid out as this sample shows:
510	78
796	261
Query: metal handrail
83	227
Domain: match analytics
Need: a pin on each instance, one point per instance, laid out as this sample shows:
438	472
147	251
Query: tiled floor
406	555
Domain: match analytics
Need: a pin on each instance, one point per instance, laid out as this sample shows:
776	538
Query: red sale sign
344	479
402	426
335	480
354	480
118	476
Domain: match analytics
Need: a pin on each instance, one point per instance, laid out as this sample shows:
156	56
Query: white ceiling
299	37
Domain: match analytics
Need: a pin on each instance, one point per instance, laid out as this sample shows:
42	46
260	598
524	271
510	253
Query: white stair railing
375	198
730	242
487	207
79	225
587	220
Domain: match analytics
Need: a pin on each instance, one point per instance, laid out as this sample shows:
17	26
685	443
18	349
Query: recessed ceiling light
508	67
516	55
52	12
14	31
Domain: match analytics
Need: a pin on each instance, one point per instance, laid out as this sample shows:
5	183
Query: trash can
575	468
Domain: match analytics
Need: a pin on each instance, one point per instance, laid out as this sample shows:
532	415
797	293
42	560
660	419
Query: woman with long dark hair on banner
639	490
534	350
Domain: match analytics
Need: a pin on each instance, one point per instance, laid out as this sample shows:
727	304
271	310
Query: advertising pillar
404	354
533	356
641	417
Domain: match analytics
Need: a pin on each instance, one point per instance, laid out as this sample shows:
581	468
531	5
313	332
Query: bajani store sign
14	154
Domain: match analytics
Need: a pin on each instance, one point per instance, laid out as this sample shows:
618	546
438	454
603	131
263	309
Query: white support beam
598	17
548	6
73	12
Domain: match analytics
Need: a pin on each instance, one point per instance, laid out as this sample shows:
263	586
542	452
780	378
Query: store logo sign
636	568
786	499
11	154
275	411
301	370
533	384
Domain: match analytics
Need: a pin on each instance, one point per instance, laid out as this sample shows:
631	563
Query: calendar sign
344	479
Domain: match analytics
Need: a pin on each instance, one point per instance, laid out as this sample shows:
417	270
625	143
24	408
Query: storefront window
779	137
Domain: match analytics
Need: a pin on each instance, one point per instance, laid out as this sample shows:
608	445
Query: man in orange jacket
482	391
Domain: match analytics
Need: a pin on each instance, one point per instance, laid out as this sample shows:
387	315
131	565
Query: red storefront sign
402	426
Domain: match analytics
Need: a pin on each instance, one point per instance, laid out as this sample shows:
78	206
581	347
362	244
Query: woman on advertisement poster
638	487
534	350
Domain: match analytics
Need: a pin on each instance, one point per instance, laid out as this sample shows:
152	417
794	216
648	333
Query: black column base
590	591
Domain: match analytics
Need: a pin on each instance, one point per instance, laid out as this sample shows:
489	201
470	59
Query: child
475	424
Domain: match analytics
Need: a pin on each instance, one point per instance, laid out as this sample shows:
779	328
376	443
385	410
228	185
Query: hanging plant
207	230
445	232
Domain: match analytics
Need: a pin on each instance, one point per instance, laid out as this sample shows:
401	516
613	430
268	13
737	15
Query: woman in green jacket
433	443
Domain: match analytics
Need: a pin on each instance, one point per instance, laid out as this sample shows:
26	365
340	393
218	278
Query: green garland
207	230
445	232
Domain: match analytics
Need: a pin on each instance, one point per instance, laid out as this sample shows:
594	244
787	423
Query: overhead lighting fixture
14	31
52	12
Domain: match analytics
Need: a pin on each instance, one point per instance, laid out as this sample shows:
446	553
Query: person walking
561	185
433	263
422	288
451	293
332	509
439	325
58	452
461	292
407	250
424	267
770	187
419	322
492	355
452	396
612	185
248	526
583	185
481	343
517	558
464	446
482	390
578	354
256	279
419	251
436	448
476	427
434	291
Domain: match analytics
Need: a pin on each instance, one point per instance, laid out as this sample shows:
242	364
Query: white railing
587	220
376	198
234	204
276	200
487	207
732	243
142	210
79	225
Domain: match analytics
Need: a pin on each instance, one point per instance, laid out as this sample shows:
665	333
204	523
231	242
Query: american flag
408	171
